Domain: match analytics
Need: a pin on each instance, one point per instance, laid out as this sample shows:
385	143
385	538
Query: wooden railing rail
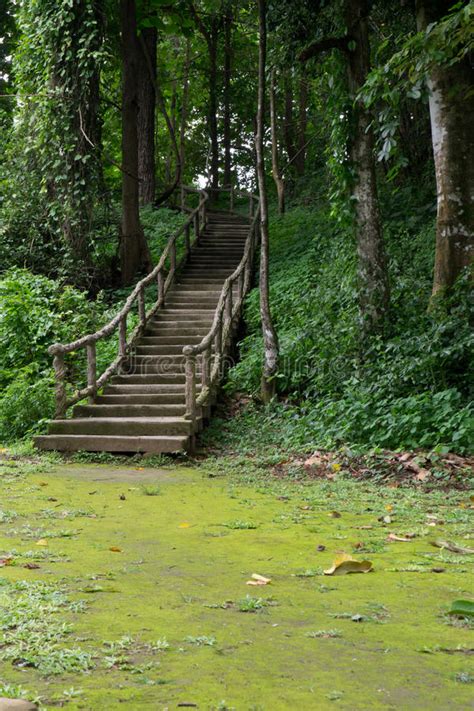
163	277
213	346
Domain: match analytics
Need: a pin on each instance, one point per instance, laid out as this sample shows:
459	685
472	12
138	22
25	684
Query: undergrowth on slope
410	387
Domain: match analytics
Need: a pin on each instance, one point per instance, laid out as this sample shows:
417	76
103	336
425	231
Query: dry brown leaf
453	547
31	566
422	474
334	514
345	564
315	460
43	483
115	549
8	560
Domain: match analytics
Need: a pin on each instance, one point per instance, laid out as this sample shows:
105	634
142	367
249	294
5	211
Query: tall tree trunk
288	124
134	253
146	115
300	158
270	340
212	114
451	111
184	117
277	176
226	93
172	116
372	271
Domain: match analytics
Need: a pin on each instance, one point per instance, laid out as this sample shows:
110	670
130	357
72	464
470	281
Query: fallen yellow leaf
389	508
139	469
42	542
42	483
258	580
403	539
115	549
336	467
345	564
185	524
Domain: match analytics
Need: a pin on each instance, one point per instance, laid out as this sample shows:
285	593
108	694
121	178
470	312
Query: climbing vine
56	142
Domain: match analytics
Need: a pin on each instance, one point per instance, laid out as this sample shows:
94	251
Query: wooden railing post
91	371
231	205
196	225
123	336
173	258
228	305
141	307
60	385
219	335
190	389
161	288
240	288
187	240
206	367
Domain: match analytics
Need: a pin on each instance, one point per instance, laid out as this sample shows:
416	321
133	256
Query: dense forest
352	120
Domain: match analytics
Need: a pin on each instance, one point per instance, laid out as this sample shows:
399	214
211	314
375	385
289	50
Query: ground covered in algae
125	587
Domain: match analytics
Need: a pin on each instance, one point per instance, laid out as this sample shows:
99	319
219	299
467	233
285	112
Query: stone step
143	387
131	398
129	410
195	293
97	443
177	341
207	273
158	380
166	351
192	307
167	329
124	426
210	283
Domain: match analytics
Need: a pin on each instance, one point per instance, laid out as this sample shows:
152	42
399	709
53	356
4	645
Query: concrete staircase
142	408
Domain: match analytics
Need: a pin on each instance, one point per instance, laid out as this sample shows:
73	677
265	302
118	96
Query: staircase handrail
197	219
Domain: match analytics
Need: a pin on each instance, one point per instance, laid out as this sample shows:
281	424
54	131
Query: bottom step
99	443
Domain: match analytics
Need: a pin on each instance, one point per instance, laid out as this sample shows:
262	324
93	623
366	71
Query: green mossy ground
187	549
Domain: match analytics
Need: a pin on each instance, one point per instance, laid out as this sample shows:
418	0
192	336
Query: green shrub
26	403
410	387
34	313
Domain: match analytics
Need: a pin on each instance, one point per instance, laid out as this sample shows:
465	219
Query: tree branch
200	24
341	43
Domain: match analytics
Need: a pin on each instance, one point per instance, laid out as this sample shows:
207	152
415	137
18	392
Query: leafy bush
34	313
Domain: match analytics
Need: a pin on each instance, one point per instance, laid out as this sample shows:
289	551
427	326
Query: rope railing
163	278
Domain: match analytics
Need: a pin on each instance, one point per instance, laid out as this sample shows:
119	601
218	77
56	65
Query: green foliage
409	388
53	169
34	313
403	74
